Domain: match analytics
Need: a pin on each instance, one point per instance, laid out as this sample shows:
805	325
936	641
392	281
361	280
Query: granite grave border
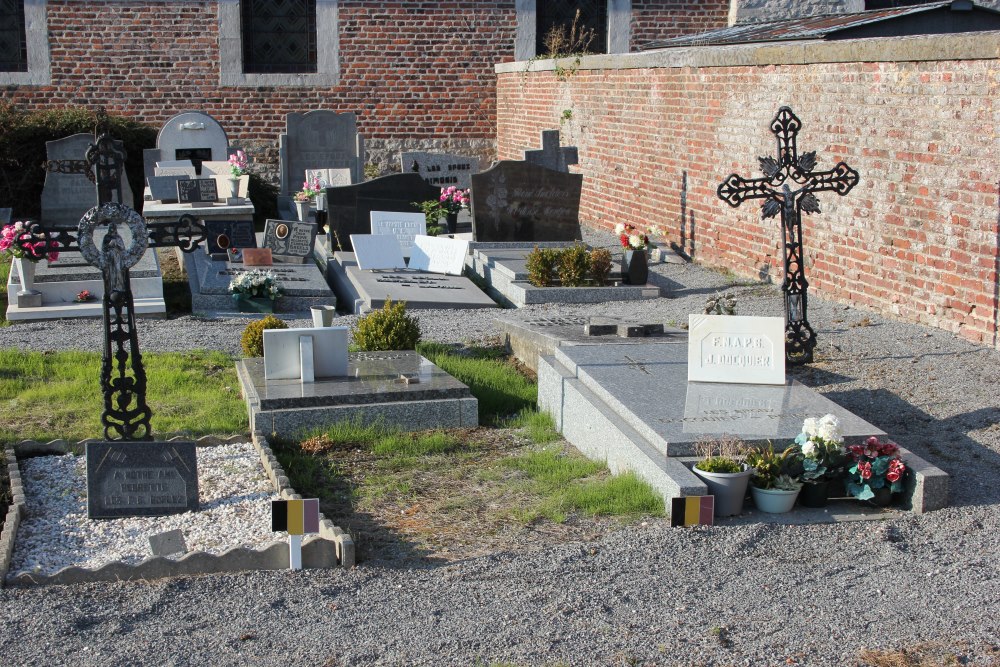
331	548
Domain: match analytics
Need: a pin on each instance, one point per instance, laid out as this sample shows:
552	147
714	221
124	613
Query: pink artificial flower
865	470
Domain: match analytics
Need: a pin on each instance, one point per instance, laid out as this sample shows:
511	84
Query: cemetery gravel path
648	594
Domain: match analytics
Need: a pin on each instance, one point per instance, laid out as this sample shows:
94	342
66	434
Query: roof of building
931	18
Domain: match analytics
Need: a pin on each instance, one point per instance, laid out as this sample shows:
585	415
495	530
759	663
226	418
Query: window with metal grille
560	14
13	40
279	36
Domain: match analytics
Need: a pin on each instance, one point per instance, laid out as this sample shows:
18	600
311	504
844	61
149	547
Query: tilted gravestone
290	241
518	201
68	191
319	140
349	207
140	479
441	169
551	155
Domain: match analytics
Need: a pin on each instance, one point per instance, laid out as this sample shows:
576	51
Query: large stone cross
781	175
551	156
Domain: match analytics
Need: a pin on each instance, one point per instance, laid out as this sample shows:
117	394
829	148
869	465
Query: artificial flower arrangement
822	447
256	283
84	296
877	465
238	164
451	202
309	190
631	238
17	240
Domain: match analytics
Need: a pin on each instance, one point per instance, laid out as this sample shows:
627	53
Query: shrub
541	264
252	340
387	329
574	265
600	265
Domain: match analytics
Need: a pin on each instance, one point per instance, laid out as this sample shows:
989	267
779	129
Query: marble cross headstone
441	169
551	156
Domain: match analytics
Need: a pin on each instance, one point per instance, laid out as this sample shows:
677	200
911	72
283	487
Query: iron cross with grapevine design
790	170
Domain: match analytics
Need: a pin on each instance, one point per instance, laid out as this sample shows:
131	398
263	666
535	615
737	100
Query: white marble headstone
192	131
736	349
175	168
216	168
282	360
404	226
435	254
377	252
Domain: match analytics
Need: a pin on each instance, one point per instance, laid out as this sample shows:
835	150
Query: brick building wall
652	19
917	117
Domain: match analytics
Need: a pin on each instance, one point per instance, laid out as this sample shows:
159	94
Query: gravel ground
649	594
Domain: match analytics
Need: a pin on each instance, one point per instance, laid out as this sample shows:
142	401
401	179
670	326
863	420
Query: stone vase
322	316
452	219
635	268
302	210
26	272
234	188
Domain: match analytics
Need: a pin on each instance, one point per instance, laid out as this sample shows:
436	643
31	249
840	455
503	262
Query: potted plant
636	245
27	248
238	165
823	458
774	485
722	469
447	206
305	198
877	473
255	291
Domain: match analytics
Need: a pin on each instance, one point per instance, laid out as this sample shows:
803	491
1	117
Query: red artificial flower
865	470
892	476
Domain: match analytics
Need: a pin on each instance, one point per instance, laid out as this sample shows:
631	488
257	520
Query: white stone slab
283	353
330	178
377	252
404	226
215	168
736	349
439	255
175	168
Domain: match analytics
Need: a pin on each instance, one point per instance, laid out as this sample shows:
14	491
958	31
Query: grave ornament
775	188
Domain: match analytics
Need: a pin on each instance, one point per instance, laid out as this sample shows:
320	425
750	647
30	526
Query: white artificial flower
809	448
635	241
829	429
619	229
809	427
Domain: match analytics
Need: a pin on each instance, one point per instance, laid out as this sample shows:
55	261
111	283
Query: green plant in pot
775	484
823	458
724	472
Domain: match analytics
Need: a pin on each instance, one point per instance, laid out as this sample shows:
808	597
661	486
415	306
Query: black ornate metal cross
775	189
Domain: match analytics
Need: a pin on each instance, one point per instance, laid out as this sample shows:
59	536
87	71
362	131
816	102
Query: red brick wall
656	19
918	237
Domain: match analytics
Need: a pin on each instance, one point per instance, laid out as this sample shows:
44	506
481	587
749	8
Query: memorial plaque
404	226
736	349
282	359
349	207
439	255
164	188
197	191
257	257
329	178
377	253
441	169
141	479
319	139
168	543
519	201
222	235
290	241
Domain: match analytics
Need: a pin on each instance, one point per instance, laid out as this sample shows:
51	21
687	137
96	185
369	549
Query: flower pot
773	501
729	489
882	497
302	209
815	494
323	316
253	304
234	191
452	220
26	273
635	268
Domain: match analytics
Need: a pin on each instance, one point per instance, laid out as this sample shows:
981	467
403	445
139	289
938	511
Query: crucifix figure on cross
781	175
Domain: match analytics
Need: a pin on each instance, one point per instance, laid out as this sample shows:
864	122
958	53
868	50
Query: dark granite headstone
164	188
290	241
441	169
349	207
67	194
5	214
141	479
221	235
519	201
196	190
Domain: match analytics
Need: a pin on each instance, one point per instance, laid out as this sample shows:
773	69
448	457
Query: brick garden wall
917	117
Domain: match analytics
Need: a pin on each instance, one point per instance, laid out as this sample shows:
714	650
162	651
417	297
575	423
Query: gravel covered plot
648	594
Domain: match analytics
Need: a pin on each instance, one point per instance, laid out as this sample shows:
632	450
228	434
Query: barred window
279	36
562	16
13	37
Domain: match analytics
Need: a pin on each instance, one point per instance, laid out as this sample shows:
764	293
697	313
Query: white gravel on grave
234	511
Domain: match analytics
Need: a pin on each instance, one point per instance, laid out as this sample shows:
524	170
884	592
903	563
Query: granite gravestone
349	207
551	156
330	178
727	348
164	188
141	479
224	235
404	226
518	201
5	214
441	169
197	190
190	135
319	139
290	241
67	196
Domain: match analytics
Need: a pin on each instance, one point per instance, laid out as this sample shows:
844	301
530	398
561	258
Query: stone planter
635	267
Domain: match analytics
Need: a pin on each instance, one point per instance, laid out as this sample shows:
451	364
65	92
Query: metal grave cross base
780	176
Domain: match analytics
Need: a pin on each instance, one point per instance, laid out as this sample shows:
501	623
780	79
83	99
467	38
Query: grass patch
503	391
48	395
538	426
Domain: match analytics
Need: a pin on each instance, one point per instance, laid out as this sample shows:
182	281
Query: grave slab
375	252
441	169
524	202
373	390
